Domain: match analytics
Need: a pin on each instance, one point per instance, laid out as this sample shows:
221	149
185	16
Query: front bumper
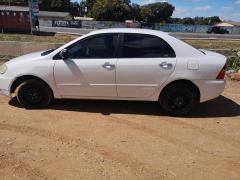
5	92
5	85
210	89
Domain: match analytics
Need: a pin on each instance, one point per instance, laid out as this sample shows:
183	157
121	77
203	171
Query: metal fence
111	24
191	28
182	28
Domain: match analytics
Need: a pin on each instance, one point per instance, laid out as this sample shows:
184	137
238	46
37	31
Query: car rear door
90	69
145	63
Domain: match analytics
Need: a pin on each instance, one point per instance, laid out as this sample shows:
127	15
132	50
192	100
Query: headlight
3	69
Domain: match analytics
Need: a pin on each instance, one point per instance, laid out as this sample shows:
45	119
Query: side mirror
64	54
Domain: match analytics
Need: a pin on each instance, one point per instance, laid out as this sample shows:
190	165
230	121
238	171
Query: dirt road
120	140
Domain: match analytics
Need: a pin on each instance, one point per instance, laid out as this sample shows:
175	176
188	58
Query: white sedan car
118	64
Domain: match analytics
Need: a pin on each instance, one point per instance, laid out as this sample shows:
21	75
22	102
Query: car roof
129	30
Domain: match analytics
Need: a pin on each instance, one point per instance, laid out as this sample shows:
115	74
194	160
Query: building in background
18	17
14	18
48	15
49	19
228	24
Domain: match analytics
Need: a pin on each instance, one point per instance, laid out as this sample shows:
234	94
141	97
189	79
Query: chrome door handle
166	65
108	66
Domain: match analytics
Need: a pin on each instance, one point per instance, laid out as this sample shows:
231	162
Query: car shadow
219	107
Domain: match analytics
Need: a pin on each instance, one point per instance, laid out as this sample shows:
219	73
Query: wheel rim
33	95
179	100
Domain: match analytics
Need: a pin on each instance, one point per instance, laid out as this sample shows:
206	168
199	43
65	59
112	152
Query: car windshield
47	52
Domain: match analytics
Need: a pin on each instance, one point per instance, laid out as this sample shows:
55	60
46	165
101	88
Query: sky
225	9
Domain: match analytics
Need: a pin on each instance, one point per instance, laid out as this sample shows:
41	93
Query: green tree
89	4
188	20
200	21
157	12
75	9
55	5
86	7
197	20
175	21
213	20
135	12
145	12
82	7
111	10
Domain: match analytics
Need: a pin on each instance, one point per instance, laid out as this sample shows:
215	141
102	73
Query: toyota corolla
118	64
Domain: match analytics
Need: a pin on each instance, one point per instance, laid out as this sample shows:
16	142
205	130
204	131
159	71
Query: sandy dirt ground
120	140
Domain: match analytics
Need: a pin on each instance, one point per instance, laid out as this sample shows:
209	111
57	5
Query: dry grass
61	38
33	38
226	45
215	44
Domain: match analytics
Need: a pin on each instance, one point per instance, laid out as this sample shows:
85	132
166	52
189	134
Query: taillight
222	73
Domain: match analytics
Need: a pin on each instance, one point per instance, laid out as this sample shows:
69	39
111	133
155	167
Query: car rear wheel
178	99
34	94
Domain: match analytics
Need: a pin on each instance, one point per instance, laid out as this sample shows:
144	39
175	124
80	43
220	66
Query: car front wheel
34	94
178	99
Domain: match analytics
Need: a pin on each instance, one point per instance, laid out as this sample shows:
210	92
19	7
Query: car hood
27	57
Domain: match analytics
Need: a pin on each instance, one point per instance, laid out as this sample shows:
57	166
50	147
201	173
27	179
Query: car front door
145	63
89	70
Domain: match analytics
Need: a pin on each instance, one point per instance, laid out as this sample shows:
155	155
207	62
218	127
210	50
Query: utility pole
1	23
33	9
30	15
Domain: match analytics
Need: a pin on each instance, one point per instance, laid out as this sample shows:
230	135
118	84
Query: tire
34	94
178	99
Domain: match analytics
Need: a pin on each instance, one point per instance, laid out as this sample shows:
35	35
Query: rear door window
145	46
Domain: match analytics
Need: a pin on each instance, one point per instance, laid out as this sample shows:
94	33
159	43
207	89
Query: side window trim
121	42
117	45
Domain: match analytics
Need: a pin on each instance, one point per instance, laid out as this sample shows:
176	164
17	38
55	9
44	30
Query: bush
233	61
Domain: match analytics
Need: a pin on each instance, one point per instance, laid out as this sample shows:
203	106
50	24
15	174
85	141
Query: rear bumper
5	85
210	89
